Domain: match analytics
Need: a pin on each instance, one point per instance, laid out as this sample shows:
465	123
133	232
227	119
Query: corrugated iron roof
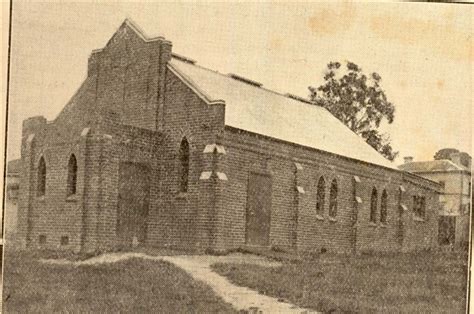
431	166
262	111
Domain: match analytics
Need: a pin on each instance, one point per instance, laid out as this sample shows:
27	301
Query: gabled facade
155	150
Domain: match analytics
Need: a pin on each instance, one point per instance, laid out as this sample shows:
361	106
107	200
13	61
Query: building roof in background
432	166
13	167
252	108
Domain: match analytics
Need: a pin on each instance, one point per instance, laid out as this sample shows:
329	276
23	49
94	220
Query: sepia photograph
236	157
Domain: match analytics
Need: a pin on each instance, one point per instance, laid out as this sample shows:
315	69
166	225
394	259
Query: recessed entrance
259	205
133	203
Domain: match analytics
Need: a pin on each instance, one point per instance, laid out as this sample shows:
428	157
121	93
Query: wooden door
259	205
133	203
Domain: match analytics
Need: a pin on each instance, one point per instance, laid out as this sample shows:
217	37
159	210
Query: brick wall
55	214
248	152
180	220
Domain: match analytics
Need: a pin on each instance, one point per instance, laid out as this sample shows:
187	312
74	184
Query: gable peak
130	24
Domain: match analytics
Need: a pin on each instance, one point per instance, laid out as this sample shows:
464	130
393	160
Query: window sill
319	217
372	224
419	219
332	219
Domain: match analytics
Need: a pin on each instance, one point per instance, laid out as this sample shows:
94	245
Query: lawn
135	286
409	283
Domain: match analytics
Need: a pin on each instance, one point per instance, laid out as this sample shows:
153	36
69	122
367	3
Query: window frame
72	176
333	194
373	205
384	207
320	197
184	162
41	178
419	206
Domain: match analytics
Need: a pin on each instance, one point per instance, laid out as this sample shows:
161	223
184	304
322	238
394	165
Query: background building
455	198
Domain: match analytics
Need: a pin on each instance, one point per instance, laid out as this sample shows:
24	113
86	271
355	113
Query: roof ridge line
260	88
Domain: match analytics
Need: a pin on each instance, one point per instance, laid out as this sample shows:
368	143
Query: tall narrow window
320	197
184	164
333	199
383	207
41	188
373	206
71	175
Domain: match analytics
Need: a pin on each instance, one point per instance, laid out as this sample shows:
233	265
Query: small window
184	165
383	207
373	206
64	240
41	187
419	204
320	197
333	199
72	175
42	239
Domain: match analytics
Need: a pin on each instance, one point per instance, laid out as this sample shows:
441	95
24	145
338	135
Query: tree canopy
359	102
445	153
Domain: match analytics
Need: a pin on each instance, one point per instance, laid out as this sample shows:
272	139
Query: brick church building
155	150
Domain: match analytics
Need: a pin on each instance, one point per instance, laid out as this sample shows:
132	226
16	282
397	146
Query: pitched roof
432	166
253	108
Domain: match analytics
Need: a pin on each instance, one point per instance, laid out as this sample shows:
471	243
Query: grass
408	283
134	285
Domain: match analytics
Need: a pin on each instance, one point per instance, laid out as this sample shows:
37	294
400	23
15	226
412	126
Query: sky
423	52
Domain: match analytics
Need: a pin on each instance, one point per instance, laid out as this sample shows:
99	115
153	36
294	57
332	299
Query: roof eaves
422	179
422	166
455	165
194	87
439	171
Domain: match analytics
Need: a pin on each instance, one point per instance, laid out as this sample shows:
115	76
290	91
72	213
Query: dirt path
199	267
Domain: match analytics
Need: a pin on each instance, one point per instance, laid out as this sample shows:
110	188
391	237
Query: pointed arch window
41	185
333	199
72	175
184	165
383	207
321	193
373	206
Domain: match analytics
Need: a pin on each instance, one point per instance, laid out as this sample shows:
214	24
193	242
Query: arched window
71	175
373	206
184	164
320	197
333	199
41	187
383	207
